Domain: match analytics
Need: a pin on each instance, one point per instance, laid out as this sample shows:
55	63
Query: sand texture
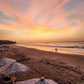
62	68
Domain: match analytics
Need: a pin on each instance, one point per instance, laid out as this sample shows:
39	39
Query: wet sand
62	68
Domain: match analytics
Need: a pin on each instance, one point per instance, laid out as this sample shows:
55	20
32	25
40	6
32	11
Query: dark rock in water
56	49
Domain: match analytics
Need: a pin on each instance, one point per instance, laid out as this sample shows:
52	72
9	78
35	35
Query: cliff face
7	42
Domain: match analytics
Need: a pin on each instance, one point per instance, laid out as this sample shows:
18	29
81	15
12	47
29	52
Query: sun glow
48	20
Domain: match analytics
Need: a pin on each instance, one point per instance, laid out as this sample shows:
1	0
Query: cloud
74	5
5	17
41	16
30	11
75	16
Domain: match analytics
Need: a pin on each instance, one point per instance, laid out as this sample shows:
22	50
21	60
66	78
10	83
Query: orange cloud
27	18
40	17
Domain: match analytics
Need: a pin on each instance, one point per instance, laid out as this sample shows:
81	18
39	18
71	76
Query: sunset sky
42	20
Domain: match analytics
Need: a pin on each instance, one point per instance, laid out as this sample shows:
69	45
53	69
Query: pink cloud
25	11
13	8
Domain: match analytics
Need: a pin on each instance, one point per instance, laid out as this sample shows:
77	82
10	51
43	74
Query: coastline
52	65
71	59
51	49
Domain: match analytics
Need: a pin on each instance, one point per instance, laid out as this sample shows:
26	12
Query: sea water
71	47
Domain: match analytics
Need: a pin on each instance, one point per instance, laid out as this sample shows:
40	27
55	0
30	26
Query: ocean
71	47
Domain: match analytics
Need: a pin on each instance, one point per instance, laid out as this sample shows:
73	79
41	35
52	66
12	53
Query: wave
81	47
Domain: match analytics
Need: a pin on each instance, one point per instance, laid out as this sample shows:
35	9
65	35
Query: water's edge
52	49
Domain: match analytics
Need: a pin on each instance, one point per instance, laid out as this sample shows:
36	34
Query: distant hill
7	42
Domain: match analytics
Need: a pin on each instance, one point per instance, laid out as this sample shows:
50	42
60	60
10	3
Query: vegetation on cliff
7	42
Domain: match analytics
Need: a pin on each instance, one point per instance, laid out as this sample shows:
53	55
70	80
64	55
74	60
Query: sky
42	20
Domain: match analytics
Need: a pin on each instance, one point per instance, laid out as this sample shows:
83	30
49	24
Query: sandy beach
62	68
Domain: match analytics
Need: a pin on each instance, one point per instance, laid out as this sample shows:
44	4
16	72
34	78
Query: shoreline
50	50
51	65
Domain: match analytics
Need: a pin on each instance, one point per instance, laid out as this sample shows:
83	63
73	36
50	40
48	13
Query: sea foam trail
82	47
71	48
